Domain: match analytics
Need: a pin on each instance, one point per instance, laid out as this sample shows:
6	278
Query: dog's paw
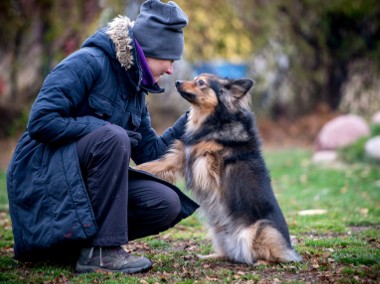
262	262
141	167
164	175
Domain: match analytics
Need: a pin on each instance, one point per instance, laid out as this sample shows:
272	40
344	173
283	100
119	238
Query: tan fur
169	166
205	104
196	118
207	167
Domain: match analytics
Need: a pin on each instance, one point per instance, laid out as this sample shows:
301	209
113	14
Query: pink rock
341	131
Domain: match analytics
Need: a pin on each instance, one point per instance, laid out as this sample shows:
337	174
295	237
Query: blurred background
311	60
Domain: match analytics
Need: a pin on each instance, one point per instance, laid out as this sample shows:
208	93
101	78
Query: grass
3	193
339	245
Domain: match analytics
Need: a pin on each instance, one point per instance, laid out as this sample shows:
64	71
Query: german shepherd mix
221	160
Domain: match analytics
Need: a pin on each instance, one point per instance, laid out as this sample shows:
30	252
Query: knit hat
158	29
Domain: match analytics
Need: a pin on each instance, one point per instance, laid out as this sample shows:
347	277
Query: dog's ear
240	87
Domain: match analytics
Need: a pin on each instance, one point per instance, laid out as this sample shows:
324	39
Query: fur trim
118	31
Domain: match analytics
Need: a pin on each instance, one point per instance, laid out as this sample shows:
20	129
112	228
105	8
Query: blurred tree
334	34
321	38
312	46
47	29
215	32
34	36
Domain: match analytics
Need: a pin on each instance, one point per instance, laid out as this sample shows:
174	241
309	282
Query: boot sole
89	268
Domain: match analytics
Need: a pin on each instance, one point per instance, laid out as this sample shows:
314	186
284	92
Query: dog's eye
201	83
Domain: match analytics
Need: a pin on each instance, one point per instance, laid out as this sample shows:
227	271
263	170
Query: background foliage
301	53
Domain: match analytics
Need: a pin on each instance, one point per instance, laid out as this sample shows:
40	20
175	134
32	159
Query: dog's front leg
168	166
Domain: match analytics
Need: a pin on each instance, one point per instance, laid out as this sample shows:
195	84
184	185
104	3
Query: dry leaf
312	212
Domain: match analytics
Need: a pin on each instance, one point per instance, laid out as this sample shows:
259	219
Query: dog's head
208	91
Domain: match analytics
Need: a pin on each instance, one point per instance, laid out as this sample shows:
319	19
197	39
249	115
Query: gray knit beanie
158	29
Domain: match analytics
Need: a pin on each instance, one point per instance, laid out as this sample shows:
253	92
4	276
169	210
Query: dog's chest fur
204	164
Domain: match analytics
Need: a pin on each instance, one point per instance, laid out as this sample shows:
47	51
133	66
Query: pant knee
173	206
153	208
114	142
116	136
109	143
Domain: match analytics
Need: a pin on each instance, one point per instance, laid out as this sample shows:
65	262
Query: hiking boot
111	259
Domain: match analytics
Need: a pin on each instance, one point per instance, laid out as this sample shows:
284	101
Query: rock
341	131
372	148
376	118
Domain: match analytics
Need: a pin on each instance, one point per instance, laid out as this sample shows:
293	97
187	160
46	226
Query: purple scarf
147	77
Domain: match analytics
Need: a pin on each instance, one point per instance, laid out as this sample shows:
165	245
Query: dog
220	158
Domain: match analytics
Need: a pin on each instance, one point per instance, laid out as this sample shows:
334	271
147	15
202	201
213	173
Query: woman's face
159	67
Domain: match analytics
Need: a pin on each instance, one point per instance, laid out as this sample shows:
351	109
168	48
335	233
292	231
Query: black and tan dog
221	160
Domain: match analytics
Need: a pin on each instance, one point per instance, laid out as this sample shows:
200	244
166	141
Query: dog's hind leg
270	245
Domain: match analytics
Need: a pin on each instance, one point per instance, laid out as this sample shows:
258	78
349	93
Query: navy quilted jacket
98	84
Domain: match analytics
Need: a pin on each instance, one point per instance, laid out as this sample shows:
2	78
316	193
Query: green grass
342	245
3	193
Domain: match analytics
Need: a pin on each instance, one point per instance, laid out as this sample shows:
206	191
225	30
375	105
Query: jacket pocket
100	105
135	121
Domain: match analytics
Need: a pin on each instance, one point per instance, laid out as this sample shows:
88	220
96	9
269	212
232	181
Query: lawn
333	212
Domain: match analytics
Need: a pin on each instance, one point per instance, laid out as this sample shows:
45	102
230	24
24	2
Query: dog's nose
178	83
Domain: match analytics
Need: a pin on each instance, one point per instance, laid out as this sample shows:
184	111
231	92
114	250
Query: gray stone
372	148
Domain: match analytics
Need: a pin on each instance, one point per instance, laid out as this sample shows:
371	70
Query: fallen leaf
312	212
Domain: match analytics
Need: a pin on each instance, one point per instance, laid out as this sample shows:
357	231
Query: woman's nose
169	71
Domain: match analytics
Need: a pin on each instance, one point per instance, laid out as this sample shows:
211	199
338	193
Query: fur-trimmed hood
115	40
118	43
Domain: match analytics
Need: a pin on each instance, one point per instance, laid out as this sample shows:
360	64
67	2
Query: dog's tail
289	255
270	245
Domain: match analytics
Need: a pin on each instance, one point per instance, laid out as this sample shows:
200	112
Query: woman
69	183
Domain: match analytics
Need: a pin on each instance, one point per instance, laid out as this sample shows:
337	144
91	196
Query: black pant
124	206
